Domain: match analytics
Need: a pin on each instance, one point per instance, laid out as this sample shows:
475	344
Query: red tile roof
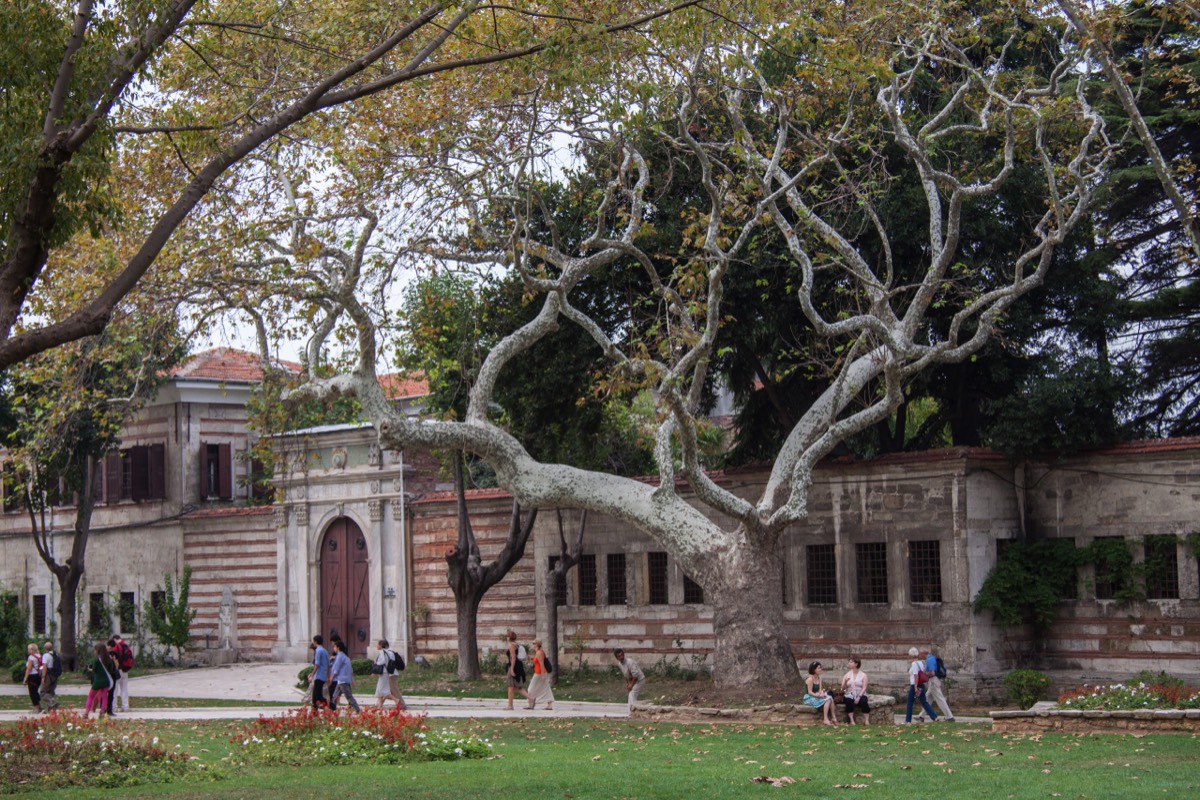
399	386
227	365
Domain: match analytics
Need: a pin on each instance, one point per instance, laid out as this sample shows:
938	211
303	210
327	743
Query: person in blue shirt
342	675
320	672
935	690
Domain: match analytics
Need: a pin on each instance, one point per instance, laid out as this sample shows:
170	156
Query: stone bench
1042	719
883	712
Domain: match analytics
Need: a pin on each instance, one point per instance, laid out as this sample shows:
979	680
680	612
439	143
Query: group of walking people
539	690
108	671
332	678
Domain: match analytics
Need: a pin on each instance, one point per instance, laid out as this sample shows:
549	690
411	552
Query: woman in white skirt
539	686
383	683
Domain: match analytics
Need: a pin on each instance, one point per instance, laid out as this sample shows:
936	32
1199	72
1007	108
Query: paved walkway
268	683
276	683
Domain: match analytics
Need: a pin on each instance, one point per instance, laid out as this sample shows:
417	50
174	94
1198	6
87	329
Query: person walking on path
342	673
539	686
916	687
396	664
934	689
33	675
320	673
635	679
123	655
102	681
384	668
516	669
51	670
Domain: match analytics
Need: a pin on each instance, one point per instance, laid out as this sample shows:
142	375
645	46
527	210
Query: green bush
1157	679
361	666
302	677
1026	686
18	672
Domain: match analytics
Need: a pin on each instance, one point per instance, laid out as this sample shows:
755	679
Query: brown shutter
225	470
139	468
203	471
112	478
97	480
156	486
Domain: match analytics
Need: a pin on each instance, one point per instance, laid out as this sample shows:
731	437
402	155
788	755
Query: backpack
546	663
940	669
54	668
395	662
125	657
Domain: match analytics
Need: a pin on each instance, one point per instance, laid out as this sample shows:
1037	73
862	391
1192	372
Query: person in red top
123	655
539	686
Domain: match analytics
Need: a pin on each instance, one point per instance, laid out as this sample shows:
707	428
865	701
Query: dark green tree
171	620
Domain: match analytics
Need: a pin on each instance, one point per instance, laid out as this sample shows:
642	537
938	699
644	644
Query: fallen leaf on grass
595	758
863	775
850	786
778	783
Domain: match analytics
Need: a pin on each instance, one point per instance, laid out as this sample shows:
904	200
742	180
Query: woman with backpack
33	675
516	669
539	686
384	670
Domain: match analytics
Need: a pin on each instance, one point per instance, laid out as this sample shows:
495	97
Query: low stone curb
882	713
1043	718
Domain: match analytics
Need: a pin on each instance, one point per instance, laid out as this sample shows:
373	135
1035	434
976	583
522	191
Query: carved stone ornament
397	485
375	509
280	516
397	508
374	456
339	458
302	516
374	487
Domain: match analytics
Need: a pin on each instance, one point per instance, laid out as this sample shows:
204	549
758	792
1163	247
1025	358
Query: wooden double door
345	584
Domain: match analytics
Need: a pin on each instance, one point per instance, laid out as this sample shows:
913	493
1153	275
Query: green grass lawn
608	759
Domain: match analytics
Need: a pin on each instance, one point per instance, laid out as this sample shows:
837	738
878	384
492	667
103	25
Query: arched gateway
345	604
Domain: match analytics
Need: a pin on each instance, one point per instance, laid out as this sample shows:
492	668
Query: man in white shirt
635	679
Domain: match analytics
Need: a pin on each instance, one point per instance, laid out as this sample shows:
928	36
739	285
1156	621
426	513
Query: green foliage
302	677
17	671
361	666
1026	686
12	628
1029	581
1113	560
1160	678
171	622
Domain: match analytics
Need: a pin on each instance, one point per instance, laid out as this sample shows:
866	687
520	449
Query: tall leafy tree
64	412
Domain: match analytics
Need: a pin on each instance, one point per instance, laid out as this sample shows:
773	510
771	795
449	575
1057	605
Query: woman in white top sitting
854	684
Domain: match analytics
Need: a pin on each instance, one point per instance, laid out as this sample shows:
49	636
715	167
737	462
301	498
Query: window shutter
204	471
98	480
112	478
139	469
225	470
156	484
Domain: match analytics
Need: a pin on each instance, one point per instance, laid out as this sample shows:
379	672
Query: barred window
587	580
822	574
871	568
158	599
560	587
692	591
97	612
925	571
617	587
1112	562
39	613
127	612
1162	567
656	566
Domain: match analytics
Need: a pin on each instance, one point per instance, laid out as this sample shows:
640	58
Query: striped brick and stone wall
235	548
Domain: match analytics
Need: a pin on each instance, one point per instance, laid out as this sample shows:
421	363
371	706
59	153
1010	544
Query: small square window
925	571
656	565
871	570
1162	567
692	591
39	613
560	588
617	586
587	580
822	574
127	611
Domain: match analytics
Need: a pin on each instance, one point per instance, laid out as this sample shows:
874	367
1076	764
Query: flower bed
64	749
1120	707
323	737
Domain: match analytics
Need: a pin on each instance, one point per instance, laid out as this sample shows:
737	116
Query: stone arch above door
345	608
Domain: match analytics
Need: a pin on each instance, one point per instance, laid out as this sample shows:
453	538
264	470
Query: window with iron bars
692	591
1162	567
821	569
871	569
617	586
925	571
656	574
587	580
